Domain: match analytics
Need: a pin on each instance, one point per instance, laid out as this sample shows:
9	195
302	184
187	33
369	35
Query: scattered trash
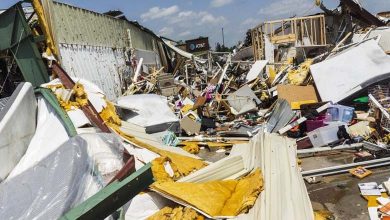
360	172
113	110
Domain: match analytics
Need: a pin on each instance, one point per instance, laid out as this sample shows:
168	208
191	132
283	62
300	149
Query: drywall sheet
151	111
256	70
350	71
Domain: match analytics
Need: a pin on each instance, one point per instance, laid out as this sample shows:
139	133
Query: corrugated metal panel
79	26
285	195
103	66
92	45
141	39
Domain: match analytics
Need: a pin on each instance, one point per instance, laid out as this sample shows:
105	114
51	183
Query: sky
188	19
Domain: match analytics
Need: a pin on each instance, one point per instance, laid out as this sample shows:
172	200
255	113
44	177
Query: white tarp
350	71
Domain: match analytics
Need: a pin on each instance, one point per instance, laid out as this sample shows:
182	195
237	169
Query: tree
218	47
248	39
223	48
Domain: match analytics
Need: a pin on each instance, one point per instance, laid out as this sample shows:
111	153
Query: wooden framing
301	32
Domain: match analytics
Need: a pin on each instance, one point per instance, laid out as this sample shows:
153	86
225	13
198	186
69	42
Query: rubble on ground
130	125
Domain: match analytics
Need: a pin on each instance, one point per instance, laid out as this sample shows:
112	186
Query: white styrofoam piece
383	200
152	109
144	205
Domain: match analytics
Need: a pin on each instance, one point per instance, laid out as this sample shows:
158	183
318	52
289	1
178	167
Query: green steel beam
16	36
49	96
112	197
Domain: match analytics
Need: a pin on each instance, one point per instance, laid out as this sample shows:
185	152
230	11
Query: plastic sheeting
153	111
62	179
17	127
49	188
49	135
107	152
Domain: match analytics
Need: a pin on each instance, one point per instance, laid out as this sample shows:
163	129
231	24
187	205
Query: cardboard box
296	95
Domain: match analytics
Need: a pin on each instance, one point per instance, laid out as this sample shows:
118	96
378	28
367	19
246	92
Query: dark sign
197	45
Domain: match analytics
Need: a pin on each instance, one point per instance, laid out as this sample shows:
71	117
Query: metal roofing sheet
285	195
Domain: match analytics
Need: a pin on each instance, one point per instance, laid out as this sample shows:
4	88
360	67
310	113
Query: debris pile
136	126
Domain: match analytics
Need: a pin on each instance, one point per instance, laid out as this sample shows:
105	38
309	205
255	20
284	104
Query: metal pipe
323	149
213	138
345	167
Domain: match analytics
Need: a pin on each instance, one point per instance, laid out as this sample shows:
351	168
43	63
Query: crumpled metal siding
103	66
93	46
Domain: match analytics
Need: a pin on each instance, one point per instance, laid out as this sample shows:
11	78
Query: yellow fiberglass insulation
109	115
190	147
181	165
80	96
217	198
158	169
298	76
178	213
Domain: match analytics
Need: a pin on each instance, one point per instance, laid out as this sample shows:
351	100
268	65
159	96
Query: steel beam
16	36
88	109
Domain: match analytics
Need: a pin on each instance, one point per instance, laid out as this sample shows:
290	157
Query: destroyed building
100	118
